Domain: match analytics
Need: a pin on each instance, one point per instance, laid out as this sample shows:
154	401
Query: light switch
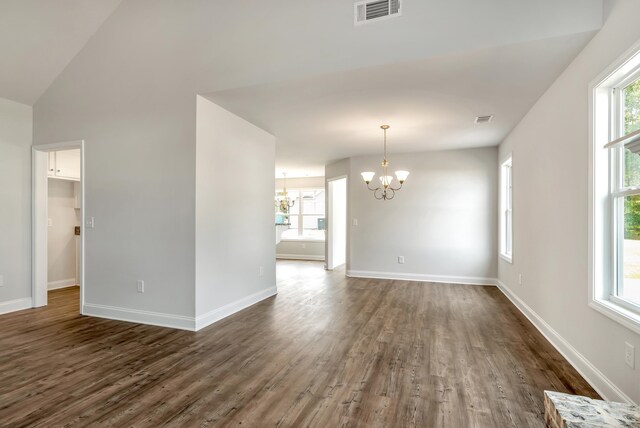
90	223
50	222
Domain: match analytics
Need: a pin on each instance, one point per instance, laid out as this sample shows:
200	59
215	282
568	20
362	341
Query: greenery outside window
614	191
625	193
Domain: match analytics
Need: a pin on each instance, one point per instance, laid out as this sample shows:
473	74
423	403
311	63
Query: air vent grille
483	119
366	11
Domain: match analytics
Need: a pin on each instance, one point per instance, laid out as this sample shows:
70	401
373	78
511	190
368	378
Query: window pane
313	222
313	202
632	107
631	168
293	220
629	287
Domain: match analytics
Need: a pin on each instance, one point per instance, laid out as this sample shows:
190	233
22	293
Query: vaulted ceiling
38	38
304	72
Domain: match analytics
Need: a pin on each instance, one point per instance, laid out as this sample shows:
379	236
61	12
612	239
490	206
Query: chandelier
283	202
385	190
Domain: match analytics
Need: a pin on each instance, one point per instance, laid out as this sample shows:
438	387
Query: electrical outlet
520	279
401	260
629	355
1	280
140	286
50	222
261	270
354	222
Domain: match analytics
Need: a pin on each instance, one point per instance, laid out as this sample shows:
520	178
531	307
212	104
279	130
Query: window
625	194
506	210
306	216
615	193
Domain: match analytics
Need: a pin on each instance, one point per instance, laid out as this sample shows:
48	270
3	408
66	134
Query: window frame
300	214
607	190
506	209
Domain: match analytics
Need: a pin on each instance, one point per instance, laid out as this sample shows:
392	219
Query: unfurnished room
337	213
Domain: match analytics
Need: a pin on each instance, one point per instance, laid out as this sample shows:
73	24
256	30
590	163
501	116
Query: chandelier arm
396	188
372	189
375	193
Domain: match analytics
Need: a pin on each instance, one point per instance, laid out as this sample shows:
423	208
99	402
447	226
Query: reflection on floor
326	351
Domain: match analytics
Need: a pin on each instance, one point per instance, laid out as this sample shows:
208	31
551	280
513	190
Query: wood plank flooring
325	352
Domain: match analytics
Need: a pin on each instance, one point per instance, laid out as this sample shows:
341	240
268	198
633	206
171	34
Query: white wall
234	212
129	95
15	209
340	168
550	168
443	221
297	249
61	238
337	222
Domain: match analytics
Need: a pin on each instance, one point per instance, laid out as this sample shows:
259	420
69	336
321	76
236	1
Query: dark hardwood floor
325	352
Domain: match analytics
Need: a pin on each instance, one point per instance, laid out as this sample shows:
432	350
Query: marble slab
574	411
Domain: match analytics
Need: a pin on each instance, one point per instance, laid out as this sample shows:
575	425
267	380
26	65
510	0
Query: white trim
63	283
215	315
627	318
300	257
39	229
177	321
15	305
604	186
468	280
138	316
603	386
506	258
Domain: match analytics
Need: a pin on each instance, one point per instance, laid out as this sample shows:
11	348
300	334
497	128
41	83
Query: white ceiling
38	38
430	104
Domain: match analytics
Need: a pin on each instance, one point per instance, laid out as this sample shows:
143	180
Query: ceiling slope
38	38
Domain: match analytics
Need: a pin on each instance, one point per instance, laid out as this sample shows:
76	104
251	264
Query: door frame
329	237
39	219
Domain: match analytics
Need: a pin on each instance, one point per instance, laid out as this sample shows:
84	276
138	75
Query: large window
306	216
615	193
506	210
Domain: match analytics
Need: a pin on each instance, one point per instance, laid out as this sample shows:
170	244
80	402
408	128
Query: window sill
302	240
622	315
506	258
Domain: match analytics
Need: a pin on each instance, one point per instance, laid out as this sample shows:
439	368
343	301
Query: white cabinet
65	164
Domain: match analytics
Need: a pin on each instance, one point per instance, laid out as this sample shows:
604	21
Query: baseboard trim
63	283
603	386
138	316
215	315
15	305
466	280
299	257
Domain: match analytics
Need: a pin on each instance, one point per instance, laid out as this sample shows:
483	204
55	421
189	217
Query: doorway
337	223
57	216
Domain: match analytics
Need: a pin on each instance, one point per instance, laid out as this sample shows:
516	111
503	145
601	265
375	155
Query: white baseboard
300	257
138	316
175	321
217	314
469	280
603	386
15	305
63	283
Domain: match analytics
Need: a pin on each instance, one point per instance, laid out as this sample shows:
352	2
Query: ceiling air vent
376	10
483	119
